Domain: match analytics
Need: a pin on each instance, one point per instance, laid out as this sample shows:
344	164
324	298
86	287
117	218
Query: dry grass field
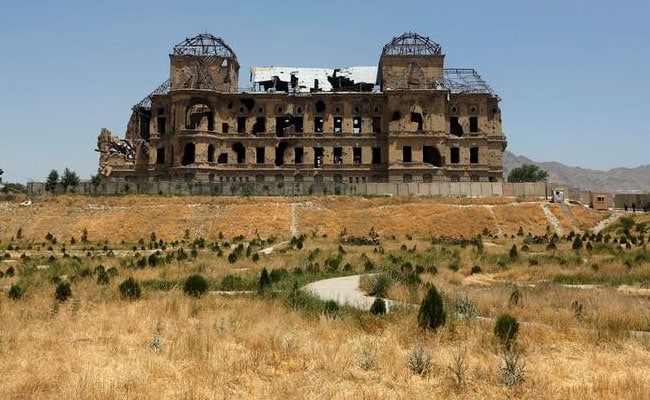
574	342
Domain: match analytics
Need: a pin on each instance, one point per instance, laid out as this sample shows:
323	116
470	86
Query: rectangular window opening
454	155
338	155
160	155
407	156
318	157
299	153
318	124
376	155
225	127
356	155
259	155
376	125
241	125
223	158
473	155
356	124
162	122
473	124
338	124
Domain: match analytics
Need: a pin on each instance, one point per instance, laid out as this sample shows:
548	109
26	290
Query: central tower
204	62
411	61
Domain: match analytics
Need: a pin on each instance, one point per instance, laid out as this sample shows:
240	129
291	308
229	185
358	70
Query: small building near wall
600	201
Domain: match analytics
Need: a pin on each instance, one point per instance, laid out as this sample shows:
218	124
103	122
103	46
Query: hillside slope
614	180
134	217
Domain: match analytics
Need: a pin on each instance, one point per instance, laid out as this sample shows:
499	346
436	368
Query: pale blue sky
574	76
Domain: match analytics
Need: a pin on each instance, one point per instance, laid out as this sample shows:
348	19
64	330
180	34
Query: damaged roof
457	80
329	79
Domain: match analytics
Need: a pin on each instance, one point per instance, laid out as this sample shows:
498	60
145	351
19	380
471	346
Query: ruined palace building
408	119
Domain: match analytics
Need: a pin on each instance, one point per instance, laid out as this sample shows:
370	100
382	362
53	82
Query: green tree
69	179
527	173
506	329
432	313
96	180
265	280
52	180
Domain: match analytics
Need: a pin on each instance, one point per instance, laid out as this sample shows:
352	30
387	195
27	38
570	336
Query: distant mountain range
615	180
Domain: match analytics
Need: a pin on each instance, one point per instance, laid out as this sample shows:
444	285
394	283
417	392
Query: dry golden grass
98	346
133	217
247	348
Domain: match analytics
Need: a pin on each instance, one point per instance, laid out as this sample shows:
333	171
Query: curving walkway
344	290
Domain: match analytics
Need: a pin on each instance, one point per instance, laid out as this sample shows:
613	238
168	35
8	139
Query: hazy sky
574	76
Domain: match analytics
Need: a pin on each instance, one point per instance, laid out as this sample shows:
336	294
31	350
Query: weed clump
331	308
130	289
195	286
419	361
432	313
380	285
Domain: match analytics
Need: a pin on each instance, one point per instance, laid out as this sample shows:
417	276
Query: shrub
513	251
130	289
15	292
255	257
85	272
476	270
195	286
378	306
232	282
103	278
62	292
10	272
277	275
380	285
432	312
577	243
265	280
506	329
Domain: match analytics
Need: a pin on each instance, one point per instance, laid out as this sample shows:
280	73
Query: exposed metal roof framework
411	43
465	80
145	103
204	44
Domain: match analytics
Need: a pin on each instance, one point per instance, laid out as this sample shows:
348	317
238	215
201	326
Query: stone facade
412	121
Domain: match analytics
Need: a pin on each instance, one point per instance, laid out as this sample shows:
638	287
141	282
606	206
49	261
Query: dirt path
552	219
606	222
293	229
344	290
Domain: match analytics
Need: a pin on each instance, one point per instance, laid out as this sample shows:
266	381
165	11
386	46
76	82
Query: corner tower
411	61
204	62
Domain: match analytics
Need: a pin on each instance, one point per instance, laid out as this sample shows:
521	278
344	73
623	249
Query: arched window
200	116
